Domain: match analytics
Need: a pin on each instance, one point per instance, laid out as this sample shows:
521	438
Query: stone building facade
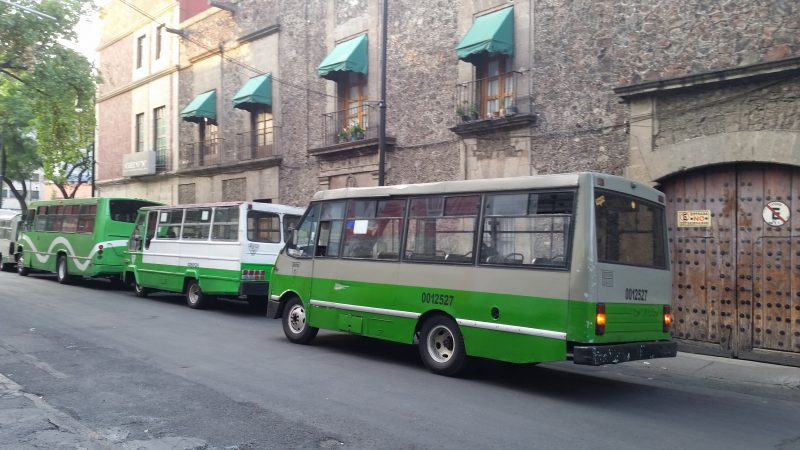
691	96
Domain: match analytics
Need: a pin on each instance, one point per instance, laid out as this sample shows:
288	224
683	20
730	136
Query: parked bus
524	270
219	249
9	229
78	237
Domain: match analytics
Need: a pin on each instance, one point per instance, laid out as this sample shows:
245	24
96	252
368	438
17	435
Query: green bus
74	238
208	250
525	270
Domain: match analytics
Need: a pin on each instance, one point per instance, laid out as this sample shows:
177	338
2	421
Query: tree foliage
47	93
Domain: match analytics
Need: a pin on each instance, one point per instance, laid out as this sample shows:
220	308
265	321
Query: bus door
262	243
299	254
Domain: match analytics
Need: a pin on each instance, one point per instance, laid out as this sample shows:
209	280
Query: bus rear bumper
598	355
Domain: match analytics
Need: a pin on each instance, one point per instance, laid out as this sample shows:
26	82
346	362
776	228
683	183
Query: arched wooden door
736	284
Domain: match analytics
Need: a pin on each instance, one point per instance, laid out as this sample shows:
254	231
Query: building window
496	84
261	136
140	132
354	115
160	137
159	40
139	51
186	194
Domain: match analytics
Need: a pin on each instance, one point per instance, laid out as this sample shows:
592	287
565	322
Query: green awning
256	92
349	56
490	33
204	106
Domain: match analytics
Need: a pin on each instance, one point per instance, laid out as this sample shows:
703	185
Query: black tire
5	267
140	291
62	270
195	297
441	346
21	269
295	328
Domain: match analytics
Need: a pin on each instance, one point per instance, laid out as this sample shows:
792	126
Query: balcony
254	149
201	154
493	103
351	129
163	160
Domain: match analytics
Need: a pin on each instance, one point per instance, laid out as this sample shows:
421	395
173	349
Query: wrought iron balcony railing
489	98
350	125
256	144
163	160
201	154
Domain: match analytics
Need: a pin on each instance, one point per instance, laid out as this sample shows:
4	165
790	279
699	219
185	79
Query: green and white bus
209	250
9	230
524	270
78	237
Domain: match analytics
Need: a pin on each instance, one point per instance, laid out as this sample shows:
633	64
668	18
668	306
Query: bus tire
441	346
295	327
140	291
21	269
62	271
195	297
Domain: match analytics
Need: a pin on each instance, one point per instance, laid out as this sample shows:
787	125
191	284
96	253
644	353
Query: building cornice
771	69
138	83
136	25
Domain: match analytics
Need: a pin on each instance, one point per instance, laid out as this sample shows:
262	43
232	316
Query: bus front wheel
140	291
62	272
295	326
441	346
195	297
21	269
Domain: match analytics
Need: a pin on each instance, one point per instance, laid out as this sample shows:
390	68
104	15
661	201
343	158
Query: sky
88	31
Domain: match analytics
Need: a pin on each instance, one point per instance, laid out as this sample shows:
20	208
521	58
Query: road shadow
561	380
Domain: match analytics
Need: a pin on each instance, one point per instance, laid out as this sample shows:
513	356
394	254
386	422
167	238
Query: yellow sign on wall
694	219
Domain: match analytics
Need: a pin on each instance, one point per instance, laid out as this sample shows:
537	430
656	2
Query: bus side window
330	229
135	242
302	243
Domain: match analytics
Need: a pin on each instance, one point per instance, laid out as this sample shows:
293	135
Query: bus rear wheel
21	269
295	326
441	346
62	271
195	297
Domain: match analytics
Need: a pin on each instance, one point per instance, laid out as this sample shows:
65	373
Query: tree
46	92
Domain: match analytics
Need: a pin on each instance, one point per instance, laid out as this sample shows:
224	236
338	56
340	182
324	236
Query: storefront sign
694	219
137	164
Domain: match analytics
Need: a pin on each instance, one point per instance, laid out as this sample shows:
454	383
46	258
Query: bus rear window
126	210
629	230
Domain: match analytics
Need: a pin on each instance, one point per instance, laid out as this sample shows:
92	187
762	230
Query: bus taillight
254	275
100	249
600	320
667	318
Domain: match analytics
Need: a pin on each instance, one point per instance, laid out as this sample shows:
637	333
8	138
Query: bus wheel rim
62	268
441	344
297	319
193	293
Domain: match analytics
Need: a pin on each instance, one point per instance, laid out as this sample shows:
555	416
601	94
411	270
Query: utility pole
93	167
382	104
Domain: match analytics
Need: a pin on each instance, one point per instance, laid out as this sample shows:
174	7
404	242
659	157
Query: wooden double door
736	284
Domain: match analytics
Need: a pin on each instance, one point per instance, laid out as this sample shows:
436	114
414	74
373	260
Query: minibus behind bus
524	270
208	250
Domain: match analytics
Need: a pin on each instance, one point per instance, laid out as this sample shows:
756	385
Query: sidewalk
27	421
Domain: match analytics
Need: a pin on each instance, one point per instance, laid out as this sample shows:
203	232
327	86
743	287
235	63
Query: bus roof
9	213
81	201
487	185
259	206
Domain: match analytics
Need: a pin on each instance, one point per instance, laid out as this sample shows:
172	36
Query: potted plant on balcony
474	113
463	111
344	135
356	132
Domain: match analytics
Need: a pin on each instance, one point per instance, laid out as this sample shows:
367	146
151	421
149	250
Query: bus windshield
125	210
629	230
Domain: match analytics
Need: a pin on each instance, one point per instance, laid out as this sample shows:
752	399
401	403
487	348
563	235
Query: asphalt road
134	369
